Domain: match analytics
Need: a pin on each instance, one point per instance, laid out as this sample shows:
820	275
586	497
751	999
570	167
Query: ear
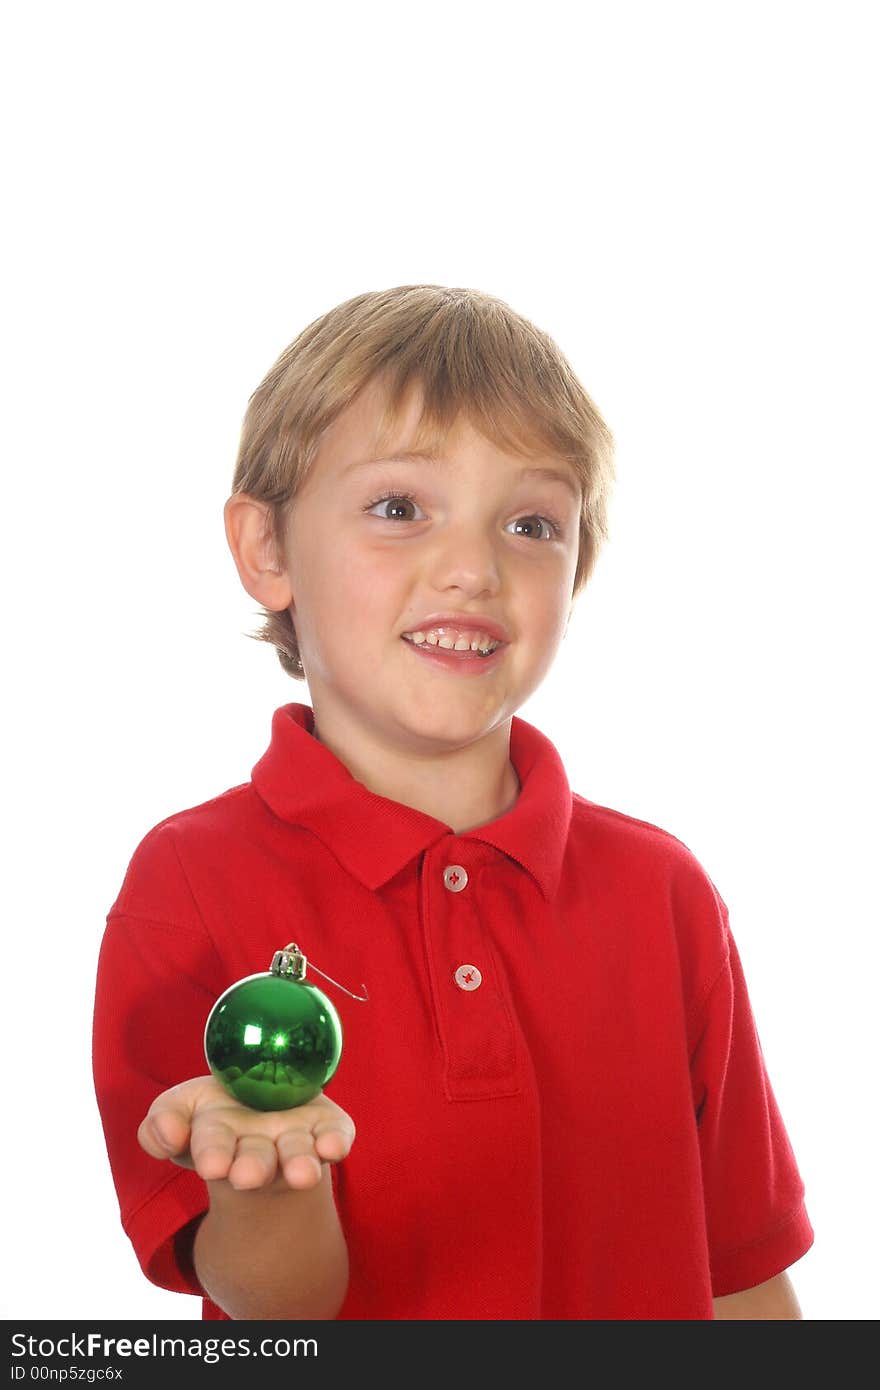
249	535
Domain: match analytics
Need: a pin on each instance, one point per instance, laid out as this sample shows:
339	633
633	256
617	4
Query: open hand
198	1125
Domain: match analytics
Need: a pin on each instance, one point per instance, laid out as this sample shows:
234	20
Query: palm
199	1126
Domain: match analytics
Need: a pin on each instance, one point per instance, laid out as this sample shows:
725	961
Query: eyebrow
427	456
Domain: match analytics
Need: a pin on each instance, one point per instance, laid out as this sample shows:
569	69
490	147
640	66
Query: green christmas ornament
272	1040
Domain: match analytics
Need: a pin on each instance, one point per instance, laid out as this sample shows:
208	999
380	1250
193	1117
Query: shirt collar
373	837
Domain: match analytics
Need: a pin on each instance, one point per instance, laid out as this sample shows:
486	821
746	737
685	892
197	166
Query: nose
466	558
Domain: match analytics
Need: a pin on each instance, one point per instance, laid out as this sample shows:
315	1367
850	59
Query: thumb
164	1130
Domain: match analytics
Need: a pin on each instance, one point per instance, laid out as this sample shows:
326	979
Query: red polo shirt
561	1103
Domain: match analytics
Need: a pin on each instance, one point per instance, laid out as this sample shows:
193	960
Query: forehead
369	425
367	432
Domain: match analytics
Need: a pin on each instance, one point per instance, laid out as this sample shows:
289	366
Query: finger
212	1147
333	1139
164	1130
255	1162
301	1167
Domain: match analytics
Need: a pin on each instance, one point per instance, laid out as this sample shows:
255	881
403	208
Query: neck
462	787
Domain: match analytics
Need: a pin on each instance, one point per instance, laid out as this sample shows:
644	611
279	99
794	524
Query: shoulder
649	879
167	852
618	823
219	812
646	847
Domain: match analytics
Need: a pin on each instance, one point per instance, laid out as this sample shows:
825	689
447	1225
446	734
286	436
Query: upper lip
472	622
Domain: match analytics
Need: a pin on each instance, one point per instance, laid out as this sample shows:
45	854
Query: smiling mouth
445	650
471	657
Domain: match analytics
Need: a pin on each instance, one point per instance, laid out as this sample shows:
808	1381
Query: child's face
361	575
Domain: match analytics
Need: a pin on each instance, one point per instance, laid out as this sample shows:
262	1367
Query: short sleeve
756	1221
158	976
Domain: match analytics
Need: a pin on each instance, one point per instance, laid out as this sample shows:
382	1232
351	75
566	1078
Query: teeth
479	642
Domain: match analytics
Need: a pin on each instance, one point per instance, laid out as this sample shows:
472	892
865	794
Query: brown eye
530	526
394	505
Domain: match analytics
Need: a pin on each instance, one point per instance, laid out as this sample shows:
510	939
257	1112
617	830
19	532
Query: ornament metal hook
292	949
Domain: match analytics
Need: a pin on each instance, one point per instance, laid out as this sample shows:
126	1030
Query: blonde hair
471	355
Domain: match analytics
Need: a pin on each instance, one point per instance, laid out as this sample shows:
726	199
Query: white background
683	195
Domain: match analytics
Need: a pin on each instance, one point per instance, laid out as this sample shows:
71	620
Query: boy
561	1103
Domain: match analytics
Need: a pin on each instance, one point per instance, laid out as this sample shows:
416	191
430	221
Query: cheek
372	583
546	596
350	596
328	565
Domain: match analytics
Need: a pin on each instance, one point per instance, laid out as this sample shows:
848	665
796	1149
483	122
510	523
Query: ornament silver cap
290	963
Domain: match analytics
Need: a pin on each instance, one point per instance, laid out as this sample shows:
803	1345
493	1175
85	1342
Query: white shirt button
468	977
455	877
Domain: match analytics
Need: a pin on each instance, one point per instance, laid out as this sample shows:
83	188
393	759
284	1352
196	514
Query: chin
456	725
